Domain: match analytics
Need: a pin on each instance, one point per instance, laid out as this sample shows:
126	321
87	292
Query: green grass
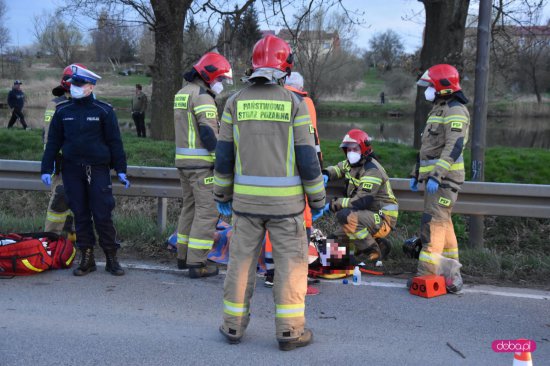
130	80
117	102
328	108
373	85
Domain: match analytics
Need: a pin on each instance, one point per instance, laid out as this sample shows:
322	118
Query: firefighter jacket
196	126
367	187
87	131
443	140
265	157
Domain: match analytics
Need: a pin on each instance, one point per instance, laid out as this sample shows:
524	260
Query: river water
512	132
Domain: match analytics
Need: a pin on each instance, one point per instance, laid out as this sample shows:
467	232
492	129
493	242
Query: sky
379	16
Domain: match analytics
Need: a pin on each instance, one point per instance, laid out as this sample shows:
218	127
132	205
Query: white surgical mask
429	94
77	92
217	87
353	157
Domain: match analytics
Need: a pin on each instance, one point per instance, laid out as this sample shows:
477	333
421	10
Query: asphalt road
161	317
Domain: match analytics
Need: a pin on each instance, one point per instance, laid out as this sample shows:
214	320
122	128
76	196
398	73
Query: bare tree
112	41
386	48
57	38
4	36
443	43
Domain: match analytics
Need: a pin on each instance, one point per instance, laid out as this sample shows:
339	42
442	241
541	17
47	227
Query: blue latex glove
325	179
124	180
413	184
432	186
316	214
46	179
224	208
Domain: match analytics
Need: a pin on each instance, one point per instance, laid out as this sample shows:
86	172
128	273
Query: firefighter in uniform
87	132
369	211
196	129
295	83
58	216
265	162
440	165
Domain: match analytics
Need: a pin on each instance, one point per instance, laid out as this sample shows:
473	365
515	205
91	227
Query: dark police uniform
87	132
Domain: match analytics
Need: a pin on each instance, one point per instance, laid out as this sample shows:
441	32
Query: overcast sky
379	15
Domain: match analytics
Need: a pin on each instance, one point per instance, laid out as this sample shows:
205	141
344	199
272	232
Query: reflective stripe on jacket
265	157
443	141
196	126
368	187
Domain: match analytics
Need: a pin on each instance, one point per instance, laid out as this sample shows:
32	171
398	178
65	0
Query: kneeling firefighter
369	211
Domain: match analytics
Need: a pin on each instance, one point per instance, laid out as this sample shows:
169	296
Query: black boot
302	341
182	263
111	263
87	262
205	270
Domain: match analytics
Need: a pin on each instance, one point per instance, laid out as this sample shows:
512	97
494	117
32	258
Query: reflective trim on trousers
450	253
187	151
183	239
269	191
235	309
289	311
195	243
57	217
427	257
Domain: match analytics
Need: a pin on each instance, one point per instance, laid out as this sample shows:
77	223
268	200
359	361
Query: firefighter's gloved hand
432	186
413	184
46	179
325	179
124	180
224	208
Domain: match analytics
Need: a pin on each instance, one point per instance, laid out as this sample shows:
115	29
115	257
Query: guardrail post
162	213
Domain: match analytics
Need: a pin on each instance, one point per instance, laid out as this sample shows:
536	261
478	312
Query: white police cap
82	75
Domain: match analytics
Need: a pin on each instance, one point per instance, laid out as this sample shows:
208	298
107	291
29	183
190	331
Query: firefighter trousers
437	232
198	217
363	227
58	215
288	238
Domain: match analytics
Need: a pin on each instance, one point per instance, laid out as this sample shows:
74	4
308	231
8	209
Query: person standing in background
16	101
139	107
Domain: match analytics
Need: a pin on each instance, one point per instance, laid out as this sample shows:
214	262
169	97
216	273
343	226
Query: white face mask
353	157
429	94
78	92
217	87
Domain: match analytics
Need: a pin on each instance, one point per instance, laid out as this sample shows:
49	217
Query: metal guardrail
475	198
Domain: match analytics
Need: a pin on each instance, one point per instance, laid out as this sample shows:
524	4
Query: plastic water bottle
356	276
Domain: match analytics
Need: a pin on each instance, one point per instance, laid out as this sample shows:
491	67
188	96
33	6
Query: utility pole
480	113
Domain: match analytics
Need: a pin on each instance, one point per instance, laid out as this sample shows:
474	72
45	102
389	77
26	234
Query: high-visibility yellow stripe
374	180
57	217
362	234
191	132
316	188
268	191
236	138
226	117
429	168
289	310
290	153
48	115
200	243
222	182
345	202
183	239
427	257
390	213
234	309
199	157
204	108
28	264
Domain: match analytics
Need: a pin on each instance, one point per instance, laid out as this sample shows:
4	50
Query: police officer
196	128
87	132
139	107
369	210
440	166
58	216
16	101
265	161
